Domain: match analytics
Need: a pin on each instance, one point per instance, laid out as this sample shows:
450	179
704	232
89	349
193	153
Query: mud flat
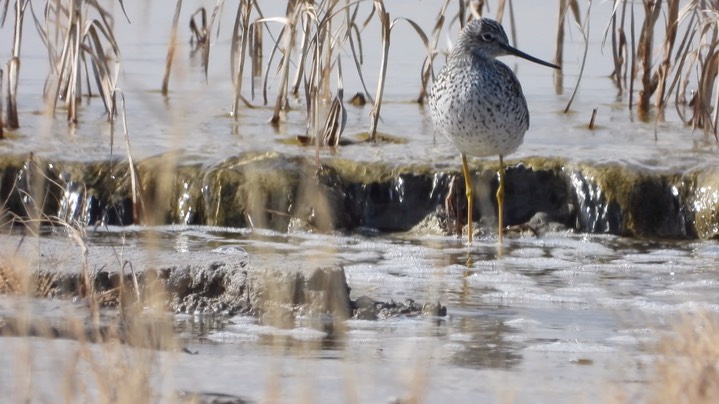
221	281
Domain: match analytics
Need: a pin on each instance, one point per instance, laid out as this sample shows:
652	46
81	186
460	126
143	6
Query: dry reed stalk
200	33
105	79
83	41
256	50
289	29
685	369
680	60
564	7
500	10
11	119
138	202
171	47
500	16
319	47
592	119
427	66
312	91
633	52
2	124
462	12
669	40
303	52
387	25
386	30
697	55
328	45
337	116
353	36
206	49
475	8
237	63
616	52
585	35
619	46
652	10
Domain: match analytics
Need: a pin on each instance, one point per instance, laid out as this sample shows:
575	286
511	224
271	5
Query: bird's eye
487	37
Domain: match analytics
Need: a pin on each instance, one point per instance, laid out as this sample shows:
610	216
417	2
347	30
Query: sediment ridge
279	192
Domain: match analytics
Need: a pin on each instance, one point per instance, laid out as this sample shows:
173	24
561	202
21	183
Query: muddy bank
221	282
283	193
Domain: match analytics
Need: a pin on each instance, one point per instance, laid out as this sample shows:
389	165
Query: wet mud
270	190
202	284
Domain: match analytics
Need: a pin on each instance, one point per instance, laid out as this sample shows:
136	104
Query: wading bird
477	102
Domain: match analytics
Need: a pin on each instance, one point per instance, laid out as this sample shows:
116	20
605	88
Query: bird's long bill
517	52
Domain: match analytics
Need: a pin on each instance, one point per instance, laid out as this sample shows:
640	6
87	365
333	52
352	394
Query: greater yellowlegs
477	102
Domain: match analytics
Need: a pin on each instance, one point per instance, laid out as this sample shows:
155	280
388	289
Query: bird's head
485	37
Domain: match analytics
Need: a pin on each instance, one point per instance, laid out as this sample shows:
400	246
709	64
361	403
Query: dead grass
113	359
687	366
116	356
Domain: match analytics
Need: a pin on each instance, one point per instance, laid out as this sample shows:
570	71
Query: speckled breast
479	106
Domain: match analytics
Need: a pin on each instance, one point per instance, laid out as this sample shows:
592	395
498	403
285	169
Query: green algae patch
704	200
381	138
251	194
630	201
374	172
271	190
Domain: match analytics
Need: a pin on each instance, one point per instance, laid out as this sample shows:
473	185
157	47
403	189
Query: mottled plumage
477	102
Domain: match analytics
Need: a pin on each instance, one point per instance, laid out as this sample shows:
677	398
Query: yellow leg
470	195
500	198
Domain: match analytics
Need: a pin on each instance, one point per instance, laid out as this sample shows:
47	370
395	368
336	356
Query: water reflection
550	302
489	344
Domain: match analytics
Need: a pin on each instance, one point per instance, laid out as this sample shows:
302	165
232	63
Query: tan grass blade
206	50
138	204
242	23
171	47
682	56
200	34
337	117
585	35
104	77
2	124
427	65
275	48
12	120
303	52
670	37
652	11
256	44
633	53
386	30
288	32
355	37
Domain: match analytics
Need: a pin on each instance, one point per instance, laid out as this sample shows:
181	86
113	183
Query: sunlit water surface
195	117
557	318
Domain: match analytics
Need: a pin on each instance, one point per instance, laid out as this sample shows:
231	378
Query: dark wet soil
289	192
107	305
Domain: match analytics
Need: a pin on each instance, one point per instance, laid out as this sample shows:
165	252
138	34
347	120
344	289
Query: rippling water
552	319
564	317
195	116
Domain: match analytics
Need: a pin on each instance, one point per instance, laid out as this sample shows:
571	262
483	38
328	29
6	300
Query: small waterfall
278	192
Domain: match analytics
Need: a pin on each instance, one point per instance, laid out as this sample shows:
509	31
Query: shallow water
561	318
195	117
